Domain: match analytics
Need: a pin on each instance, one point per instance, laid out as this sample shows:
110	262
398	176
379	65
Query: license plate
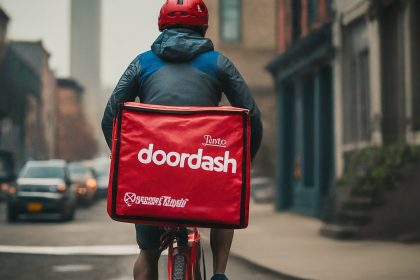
34	207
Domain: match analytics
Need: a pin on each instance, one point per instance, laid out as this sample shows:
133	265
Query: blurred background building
85	64
36	56
376	75
75	140
38	118
245	32
346	78
20	109
303	78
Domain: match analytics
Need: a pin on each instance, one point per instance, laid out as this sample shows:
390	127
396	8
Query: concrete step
354	217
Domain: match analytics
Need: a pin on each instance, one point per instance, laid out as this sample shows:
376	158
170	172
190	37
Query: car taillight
61	188
4	187
81	190
91	183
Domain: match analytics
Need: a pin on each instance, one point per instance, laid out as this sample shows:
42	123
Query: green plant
378	168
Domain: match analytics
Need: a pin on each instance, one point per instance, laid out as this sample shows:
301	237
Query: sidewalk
291	244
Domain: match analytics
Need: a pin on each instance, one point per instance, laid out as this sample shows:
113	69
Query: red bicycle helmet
188	13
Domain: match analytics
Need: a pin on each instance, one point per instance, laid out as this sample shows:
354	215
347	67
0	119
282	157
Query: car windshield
43	172
79	170
101	168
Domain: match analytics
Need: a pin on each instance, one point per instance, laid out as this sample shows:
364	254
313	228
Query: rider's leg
220	242
146	265
148	239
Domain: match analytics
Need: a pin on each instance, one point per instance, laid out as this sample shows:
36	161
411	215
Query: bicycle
185	253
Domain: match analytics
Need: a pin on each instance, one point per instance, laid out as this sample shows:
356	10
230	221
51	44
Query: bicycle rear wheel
186	262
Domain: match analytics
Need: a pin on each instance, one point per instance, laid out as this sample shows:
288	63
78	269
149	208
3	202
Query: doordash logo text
193	161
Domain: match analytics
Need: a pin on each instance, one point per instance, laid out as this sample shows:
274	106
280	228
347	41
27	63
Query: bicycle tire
179	268
184	262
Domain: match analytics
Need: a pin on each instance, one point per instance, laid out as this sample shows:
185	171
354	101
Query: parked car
262	189
7	173
84	182
42	187
101	167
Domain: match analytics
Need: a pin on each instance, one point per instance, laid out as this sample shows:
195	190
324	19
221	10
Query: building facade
346	78
20	109
244	31
303	73
85	51
376	75
35	55
75	136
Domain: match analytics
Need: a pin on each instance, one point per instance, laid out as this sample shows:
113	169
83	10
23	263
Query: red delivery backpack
184	166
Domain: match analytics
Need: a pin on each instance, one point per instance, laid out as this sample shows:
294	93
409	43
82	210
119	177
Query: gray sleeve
125	91
239	95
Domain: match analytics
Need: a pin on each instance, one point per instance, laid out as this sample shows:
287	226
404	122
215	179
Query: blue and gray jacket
182	69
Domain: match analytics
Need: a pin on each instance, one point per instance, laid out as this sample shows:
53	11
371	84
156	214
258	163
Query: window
312	11
356	92
393	73
296	10
230	20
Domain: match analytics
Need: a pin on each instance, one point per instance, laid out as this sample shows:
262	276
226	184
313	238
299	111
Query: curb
258	266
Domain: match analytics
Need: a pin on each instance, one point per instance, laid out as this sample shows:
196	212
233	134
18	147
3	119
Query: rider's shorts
148	237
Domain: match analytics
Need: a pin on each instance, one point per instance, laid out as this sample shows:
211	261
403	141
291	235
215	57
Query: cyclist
182	69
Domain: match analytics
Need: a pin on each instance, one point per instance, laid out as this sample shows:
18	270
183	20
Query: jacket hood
181	44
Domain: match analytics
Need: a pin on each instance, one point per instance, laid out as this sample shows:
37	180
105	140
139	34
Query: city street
90	247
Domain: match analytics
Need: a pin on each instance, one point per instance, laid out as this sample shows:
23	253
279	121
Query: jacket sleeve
239	95
125	91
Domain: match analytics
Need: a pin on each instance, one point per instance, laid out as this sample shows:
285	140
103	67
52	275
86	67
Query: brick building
75	137
35	55
19	103
244	31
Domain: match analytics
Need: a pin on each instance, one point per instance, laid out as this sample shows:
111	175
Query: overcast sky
128	28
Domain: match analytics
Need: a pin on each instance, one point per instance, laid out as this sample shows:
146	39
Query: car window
43	172
78	170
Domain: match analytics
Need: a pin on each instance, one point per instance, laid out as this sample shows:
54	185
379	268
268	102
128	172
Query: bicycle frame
184	260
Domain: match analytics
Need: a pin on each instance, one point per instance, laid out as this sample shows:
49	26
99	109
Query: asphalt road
91	247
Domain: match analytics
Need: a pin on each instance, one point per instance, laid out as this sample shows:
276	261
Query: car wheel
11	215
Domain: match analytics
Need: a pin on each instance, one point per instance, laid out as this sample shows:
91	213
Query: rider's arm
239	95
125	91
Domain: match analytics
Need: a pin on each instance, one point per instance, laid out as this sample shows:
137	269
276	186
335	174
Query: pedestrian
182	69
